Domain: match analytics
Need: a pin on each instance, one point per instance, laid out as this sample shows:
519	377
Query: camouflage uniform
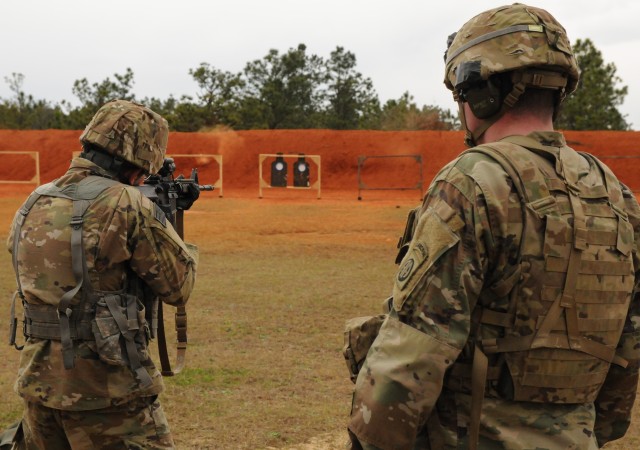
124	237
466	242
138	424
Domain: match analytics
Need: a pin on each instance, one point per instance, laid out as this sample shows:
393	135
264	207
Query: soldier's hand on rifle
188	195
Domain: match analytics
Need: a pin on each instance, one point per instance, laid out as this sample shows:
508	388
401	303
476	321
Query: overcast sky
399	44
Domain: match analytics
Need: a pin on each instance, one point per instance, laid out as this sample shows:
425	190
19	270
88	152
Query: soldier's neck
521	124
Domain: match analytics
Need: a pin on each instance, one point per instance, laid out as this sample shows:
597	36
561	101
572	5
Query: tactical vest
114	320
570	293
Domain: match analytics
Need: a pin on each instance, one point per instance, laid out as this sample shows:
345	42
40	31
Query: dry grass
277	279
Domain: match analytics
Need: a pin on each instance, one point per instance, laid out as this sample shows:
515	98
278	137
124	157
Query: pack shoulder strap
480	365
19	222
532	192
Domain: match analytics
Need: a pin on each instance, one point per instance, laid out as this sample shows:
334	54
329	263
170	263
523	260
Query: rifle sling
181	341
180	324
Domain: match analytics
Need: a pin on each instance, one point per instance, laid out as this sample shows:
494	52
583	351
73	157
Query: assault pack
571	286
116	321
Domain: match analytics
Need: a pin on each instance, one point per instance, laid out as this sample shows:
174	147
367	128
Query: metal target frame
362	186
263	184
218	184
36	157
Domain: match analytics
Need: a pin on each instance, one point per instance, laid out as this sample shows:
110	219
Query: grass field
276	281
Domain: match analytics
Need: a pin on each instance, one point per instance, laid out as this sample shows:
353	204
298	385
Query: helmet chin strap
471	137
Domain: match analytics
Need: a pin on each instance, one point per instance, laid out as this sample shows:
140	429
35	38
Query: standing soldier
515	319
90	253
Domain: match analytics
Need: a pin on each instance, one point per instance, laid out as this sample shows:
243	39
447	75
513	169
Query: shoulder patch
436	232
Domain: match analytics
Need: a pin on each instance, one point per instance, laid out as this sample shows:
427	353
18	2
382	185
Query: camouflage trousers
139	424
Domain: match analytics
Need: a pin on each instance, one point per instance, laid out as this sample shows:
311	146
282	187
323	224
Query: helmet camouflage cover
130	131
512	38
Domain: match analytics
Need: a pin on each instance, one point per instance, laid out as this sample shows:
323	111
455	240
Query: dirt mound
339	152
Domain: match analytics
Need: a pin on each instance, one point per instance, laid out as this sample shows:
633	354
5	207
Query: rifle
173	196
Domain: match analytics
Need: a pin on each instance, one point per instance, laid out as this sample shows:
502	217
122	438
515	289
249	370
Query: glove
189	193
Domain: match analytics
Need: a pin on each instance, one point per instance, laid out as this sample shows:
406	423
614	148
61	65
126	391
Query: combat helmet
525	42
131	132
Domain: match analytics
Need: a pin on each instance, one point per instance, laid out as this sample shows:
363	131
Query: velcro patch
160	215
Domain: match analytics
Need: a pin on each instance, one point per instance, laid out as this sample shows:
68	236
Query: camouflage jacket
467	235
121	235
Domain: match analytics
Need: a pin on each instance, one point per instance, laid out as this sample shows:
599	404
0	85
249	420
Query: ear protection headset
484	100
483	96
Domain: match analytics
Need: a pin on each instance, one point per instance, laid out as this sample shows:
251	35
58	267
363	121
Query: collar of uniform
81	164
549	138
567	161
575	166
538	142
547	141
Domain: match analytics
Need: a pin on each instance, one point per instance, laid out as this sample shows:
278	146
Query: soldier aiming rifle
89	251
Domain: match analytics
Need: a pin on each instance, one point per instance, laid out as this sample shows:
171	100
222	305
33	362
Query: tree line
296	89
